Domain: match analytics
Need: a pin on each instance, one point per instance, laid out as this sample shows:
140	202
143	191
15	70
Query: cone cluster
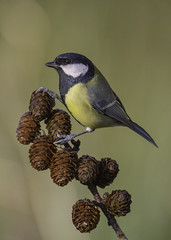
64	164
85	215
29	127
101	173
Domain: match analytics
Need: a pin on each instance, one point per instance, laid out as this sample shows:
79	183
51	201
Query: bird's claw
41	89
51	93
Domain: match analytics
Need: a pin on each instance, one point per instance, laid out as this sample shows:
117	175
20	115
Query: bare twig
111	219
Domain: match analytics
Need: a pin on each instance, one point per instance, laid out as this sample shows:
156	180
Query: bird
87	95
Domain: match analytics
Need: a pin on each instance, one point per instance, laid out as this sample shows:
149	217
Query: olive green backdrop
130	42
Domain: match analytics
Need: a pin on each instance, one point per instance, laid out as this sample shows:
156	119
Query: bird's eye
63	61
67	61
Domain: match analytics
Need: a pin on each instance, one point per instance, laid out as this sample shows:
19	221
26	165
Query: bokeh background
130	42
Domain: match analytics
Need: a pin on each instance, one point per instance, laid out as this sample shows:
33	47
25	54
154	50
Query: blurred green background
130	42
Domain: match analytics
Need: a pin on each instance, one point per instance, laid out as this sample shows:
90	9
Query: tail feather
143	133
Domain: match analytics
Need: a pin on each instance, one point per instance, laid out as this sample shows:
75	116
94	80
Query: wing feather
105	101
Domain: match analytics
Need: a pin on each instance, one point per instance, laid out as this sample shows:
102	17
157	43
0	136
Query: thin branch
93	189
111	219
76	145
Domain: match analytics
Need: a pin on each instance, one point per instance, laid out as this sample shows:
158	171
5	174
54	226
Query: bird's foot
65	138
51	93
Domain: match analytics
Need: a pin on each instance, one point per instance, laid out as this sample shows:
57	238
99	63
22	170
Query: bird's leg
51	93
67	138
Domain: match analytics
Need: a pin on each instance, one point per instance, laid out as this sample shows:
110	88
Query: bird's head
73	65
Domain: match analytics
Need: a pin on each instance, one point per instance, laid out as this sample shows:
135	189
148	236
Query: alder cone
41	104
118	202
87	169
28	129
85	215
63	167
41	152
58	123
108	170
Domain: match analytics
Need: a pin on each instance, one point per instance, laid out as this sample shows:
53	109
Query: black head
73	68
74	65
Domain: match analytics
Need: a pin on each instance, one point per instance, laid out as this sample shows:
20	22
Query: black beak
51	64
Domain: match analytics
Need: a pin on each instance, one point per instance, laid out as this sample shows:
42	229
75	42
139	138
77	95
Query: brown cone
85	215
28	129
58	122
118	202
87	169
41	104
63	167
41	152
108	170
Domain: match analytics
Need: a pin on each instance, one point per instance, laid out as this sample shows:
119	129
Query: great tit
88	96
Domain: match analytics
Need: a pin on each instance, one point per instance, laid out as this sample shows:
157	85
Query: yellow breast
79	105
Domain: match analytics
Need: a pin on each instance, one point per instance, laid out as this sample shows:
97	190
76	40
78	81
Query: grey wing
104	100
117	112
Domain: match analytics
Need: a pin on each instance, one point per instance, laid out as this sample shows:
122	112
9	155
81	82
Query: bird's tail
143	133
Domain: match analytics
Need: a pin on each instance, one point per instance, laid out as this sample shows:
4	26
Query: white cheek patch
75	70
